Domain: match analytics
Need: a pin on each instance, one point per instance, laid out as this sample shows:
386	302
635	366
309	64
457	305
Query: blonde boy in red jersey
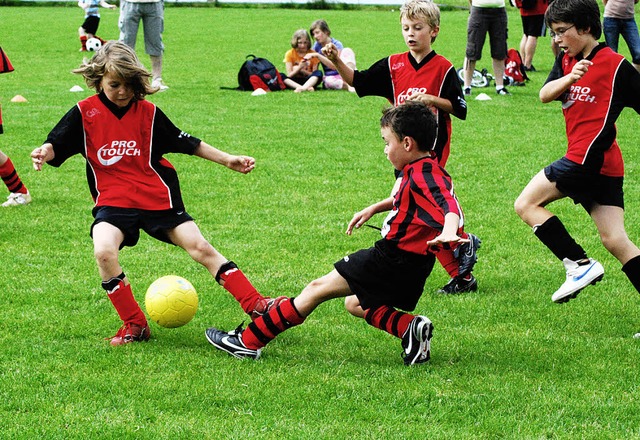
123	138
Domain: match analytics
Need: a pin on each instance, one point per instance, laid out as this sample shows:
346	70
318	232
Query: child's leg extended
610	223
187	235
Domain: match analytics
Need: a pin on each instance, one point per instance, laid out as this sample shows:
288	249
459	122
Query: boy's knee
105	256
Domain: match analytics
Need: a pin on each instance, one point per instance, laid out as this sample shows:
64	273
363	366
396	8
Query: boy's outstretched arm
553	89
241	164
361	217
449	231
41	155
333	54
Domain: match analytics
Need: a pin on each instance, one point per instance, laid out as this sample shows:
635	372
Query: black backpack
259	73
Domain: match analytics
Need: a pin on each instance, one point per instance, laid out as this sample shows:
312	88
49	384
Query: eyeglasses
560	33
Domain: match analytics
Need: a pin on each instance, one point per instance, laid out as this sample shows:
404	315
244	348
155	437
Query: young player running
390	275
123	138
594	84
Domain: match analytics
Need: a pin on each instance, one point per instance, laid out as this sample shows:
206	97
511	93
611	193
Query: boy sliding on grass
594	84
123	138
391	274
419	74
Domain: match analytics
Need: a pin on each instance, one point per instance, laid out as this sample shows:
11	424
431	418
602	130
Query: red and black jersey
400	76
424	198
592	105
539	8
124	149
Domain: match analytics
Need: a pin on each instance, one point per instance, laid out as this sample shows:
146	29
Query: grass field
506	361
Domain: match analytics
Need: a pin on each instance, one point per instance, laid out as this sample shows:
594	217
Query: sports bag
259	73
514	68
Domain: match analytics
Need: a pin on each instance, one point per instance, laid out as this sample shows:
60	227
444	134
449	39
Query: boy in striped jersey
391	275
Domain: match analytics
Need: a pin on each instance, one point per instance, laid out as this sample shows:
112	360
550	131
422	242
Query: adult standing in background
486	16
532	15
619	20
151	12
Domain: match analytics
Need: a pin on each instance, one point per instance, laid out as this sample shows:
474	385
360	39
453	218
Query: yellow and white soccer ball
171	301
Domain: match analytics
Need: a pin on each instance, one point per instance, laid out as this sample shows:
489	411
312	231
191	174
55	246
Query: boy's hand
359	219
580	69
331	51
41	155
443	238
241	164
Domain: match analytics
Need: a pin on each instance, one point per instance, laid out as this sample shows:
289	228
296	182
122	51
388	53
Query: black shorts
533	25
90	24
130	221
386	275
583	186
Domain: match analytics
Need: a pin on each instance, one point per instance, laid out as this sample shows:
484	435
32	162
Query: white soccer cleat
17	199
159	84
578	277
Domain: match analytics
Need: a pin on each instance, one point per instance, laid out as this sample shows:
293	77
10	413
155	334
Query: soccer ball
171	301
93	44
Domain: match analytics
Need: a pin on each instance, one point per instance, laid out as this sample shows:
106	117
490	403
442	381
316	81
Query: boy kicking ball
391	275
594	84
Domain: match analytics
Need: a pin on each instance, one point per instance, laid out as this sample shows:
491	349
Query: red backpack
514	68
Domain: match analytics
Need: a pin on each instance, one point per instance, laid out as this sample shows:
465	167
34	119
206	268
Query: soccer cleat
467	91
416	341
159	84
466	254
263	306
578	277
131	333
503	92
17	199
231	342
460	285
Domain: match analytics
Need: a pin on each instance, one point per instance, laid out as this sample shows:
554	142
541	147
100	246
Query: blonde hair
116	58
421	9
300	34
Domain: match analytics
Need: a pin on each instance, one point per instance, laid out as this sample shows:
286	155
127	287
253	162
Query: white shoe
578	277
17	199
158	84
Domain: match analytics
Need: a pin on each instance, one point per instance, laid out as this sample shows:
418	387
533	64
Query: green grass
507	363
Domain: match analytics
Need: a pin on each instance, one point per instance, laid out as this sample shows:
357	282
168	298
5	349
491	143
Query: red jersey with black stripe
592	105
424	198
124	151
400	76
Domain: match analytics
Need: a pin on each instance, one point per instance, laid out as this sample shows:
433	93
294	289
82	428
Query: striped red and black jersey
400	76
123	149
424	198
592	105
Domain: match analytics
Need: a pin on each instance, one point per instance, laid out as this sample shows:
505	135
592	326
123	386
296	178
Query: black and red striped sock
11	179
266	327
389	319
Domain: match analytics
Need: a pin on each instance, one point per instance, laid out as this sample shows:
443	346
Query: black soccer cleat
460	285
231	342
467	256
416	341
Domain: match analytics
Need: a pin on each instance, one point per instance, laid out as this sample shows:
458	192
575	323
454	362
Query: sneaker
503	92
131	333
17	199
467	91
529	69
263	306
231	342
459	285
416	341
466	254
636	336
578	277
159	84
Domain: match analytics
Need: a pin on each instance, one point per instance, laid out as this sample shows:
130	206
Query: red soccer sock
389	320
83	43
266	327
237	284
125	304
11	179
448	262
